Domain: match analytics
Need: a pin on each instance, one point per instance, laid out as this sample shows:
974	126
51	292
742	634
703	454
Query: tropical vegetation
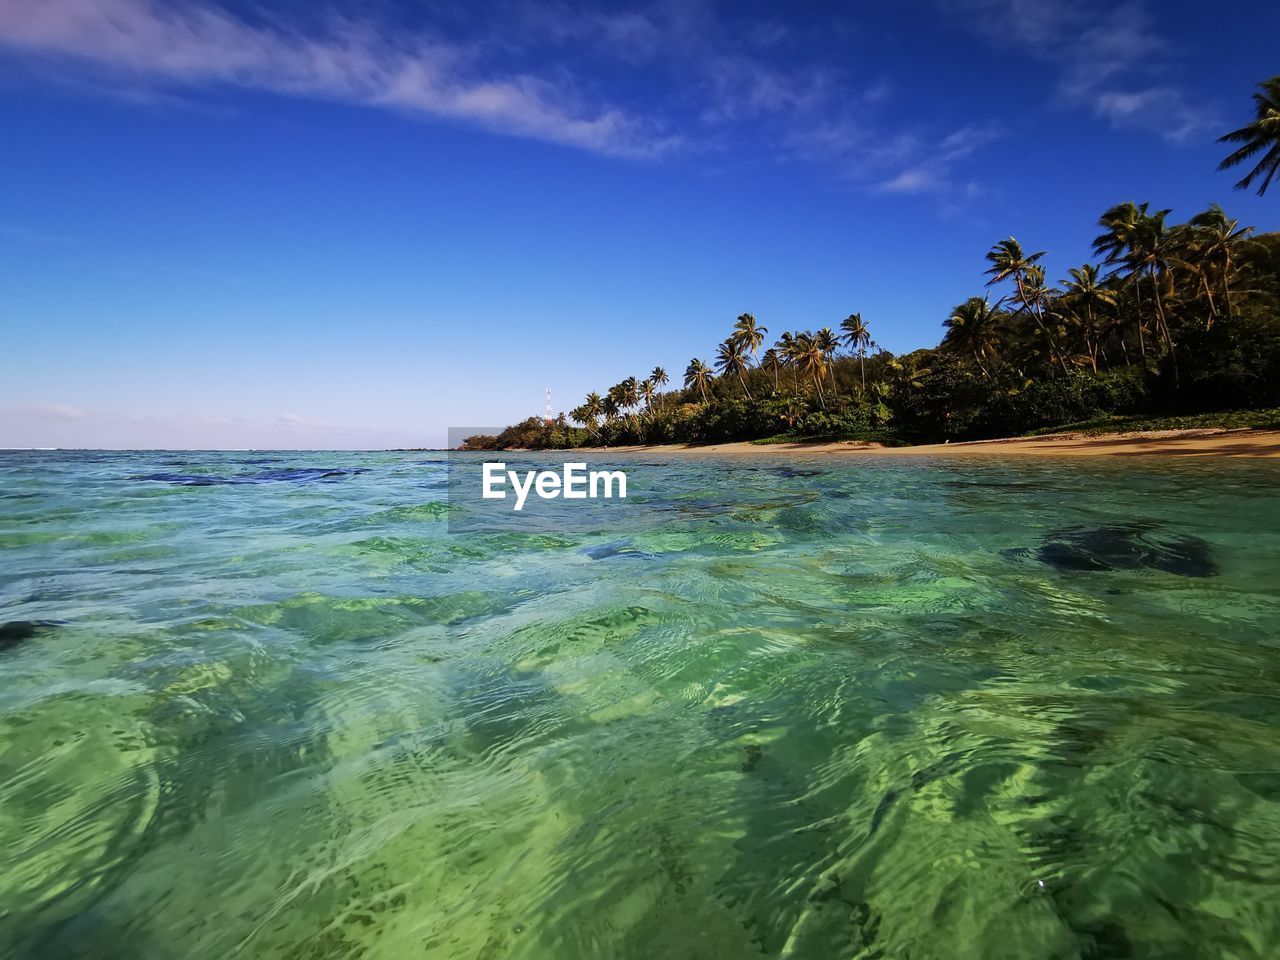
1261	136
1165	320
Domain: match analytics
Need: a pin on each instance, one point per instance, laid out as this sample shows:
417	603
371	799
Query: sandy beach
1176	443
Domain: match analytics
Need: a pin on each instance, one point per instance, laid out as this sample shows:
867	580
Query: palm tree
630	392
586	413
659	377
1218	237
1262	134
828	343
697	374
858	338
1085	289
615	399
881	412
906	374
772	362
1189	255
793	410
732	357
1154	250
609	405
972	327
1009	262
1036	294
1122	224
786	352
748	333
1141	241
630	399
1117	320
591	409
646	392
811	359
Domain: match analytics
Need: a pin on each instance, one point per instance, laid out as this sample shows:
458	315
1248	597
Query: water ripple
268	705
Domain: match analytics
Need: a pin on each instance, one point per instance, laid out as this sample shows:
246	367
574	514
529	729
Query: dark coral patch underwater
300	475
19	631
1121	547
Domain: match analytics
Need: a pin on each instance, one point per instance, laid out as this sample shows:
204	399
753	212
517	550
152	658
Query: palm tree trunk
1093	349
1137	293
1164	327
742	380
862	362
1213	308
1159	302
1022	294
1226	284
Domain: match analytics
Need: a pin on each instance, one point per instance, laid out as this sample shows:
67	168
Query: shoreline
1242	442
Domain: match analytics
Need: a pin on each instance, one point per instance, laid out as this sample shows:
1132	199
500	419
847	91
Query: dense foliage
1172	319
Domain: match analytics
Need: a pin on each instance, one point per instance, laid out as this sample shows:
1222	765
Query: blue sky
297	225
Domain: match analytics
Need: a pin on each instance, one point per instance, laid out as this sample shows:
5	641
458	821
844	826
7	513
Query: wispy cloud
934	173
753	91
1161	110
1111	59
723	69
197	44
730	89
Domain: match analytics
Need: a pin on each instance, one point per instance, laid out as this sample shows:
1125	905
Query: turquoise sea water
794	708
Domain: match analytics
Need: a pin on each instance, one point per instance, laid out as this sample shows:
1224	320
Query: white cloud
933	174
1161	110
736	90
1111	59
915	180
199	44
753	88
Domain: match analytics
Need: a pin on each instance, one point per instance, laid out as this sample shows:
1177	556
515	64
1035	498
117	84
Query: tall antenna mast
550	418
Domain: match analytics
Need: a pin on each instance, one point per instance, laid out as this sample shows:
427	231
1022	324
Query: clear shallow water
881	709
